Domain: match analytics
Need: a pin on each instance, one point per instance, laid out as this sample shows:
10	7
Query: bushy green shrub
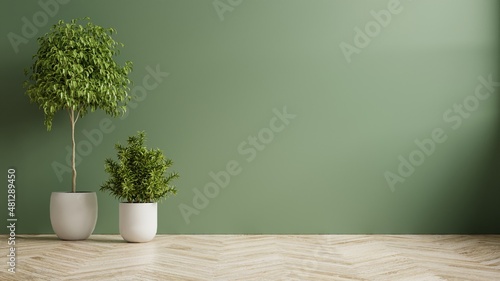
139	176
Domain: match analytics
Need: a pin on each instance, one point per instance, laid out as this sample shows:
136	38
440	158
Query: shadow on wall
468	200
486	199
487	196
478	210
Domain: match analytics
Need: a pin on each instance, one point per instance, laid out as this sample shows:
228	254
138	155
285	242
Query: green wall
356	105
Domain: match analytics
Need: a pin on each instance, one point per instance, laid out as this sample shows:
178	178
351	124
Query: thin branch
78	115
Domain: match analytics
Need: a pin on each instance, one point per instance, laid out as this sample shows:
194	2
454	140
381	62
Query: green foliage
74	70
139	176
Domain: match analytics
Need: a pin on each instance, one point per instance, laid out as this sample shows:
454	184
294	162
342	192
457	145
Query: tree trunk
73	166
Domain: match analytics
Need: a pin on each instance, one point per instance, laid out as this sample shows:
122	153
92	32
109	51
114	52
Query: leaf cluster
139	176
74	69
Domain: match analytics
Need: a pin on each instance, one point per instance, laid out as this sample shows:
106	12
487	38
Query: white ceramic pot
138	221
73	215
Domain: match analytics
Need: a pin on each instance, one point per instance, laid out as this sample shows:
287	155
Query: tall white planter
138	221
73	215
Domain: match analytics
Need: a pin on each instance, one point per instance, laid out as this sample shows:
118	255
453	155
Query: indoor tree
74	70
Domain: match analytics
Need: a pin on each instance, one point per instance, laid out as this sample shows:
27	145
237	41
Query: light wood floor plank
257	257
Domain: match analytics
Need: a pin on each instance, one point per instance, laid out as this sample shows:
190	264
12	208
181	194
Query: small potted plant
139	179
74	71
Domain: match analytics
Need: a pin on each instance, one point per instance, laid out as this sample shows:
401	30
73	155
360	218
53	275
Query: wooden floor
257	257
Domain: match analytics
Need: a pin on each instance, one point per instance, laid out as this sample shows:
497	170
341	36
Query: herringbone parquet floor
257	257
